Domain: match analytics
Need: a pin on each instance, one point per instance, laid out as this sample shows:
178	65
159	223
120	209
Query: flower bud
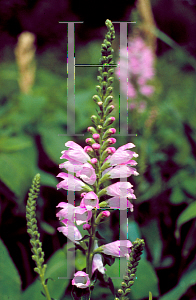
93	160
96	136
108	100
92	130
111	140
96	146
109	90
99	128
96	98
90	141
105	213
94	119
109	110
88	149
108	133
108	121
86	226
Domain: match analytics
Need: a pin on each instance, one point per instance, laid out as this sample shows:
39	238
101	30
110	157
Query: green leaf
187	279
56	268
15	143
10	283
17	169
147	279
177	195
53	141
188	214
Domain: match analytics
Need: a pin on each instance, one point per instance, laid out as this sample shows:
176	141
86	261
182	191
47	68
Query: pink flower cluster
140	70
82	164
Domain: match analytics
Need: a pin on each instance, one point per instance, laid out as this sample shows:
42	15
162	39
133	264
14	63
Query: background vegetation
165	208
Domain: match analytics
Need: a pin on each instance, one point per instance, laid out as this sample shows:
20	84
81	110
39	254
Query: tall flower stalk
90	168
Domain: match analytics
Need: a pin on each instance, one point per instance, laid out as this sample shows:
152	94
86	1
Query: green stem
45	287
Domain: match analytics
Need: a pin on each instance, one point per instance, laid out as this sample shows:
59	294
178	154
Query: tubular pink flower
90	200
71	165
70	212
81	280
122	171
118	248
75	152
120	203
87	173
71	183
122	155
119	188
97	261
70	231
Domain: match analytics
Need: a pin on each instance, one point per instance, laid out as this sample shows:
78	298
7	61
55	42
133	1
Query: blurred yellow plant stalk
25	53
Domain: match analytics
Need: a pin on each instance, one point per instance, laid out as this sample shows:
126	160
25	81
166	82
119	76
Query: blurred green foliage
164	211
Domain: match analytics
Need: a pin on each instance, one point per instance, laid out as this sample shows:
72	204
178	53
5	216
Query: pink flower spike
96	136
96	146
93	160
81	280
112	119
118	248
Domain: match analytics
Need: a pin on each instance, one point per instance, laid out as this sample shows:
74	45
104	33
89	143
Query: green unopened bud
105	76
103	46
96	98
127	291
110	72
123	284
99	78
120	292
94	119
92	130
99	128
104	86
110	57
108	100
110	80
109	90
98	89
109	121
109	110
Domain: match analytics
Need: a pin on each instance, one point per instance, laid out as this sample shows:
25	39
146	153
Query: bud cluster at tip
101	135
128	279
